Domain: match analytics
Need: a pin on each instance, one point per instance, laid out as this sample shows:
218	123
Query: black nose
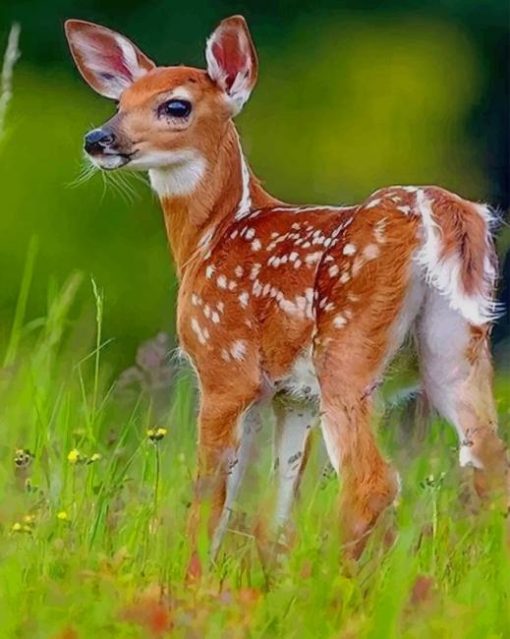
98	140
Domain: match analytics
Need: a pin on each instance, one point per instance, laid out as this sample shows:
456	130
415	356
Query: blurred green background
353	95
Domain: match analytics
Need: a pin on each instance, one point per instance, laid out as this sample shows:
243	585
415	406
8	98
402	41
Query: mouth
111	160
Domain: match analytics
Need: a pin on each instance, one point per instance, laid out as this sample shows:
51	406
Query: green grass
99	549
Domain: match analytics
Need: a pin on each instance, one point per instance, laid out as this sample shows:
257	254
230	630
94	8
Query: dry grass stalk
11	56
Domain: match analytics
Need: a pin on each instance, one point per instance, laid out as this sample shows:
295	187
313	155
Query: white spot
349	249
250	234
333	270
244	298
202	335
209	271
255	270
222	281
238	350
373	203
232	285
215	317
313	258
239	271
340	321
371	251
345	277
256	245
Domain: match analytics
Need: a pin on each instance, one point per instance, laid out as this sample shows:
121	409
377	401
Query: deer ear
108	61
232	60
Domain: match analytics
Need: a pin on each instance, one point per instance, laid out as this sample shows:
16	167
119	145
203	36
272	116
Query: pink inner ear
111	54
230	57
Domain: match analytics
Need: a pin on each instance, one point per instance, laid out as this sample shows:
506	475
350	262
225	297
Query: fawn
303	306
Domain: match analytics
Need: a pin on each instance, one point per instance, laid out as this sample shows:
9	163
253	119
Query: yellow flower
156	434
63	516
29	520
95	457
16	527
74	456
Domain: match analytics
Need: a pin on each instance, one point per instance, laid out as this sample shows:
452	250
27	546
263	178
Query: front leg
218	447
293	425
237	463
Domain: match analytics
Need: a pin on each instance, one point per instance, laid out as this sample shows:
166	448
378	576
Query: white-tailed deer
307	304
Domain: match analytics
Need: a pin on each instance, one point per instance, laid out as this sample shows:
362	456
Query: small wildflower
23	457
94	458
63	516
74	456
156	434
17	527
29	520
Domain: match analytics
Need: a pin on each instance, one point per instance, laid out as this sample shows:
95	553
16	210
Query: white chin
109	162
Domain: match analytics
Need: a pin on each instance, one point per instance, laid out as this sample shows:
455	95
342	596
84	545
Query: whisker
87	170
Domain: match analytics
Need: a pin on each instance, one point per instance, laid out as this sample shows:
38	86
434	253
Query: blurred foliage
352	95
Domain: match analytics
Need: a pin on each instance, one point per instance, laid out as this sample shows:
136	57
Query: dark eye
175	109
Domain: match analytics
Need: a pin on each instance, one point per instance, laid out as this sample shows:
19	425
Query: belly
301	381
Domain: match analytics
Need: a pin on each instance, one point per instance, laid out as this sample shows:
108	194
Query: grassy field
92	519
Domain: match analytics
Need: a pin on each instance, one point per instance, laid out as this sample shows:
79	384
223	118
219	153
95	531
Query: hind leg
457	374
347	377
370	484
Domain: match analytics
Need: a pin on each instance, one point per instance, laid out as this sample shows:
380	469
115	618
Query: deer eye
175	109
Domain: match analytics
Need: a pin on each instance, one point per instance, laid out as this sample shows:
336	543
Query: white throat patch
179	172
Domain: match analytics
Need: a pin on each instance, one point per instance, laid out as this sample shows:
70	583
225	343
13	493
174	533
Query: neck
199	197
